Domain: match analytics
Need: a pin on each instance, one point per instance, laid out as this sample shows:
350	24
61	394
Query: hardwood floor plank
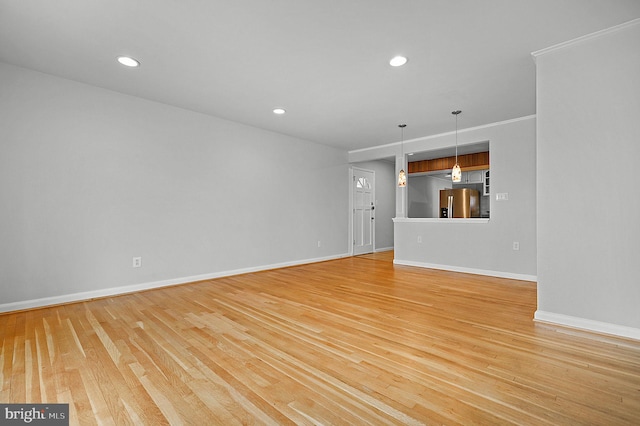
351	341
17	389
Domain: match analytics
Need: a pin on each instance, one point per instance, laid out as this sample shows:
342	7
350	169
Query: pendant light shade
402	176
456	172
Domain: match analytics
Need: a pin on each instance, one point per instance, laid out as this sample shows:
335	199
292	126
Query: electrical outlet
419	239
516	245
137	262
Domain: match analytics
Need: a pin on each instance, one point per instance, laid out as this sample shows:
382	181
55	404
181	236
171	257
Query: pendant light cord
402	126
456	138
456	114
402	176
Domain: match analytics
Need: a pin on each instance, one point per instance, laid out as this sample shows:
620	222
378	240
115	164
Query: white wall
385	201
479	247
90	178
588	190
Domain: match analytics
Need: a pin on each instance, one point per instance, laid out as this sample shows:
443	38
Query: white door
363	211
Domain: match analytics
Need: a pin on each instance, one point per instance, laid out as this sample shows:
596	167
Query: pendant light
402	176
456	172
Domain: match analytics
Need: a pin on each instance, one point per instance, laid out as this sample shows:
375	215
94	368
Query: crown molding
583	38
439	135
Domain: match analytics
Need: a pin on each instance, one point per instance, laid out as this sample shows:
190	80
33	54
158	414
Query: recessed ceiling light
128	61
398	61
279	111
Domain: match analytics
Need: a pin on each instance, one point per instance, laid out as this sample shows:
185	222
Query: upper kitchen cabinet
474	176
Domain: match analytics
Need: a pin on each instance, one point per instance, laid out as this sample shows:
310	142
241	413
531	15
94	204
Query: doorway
363	217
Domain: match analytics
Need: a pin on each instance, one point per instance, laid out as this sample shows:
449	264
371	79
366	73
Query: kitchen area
432	194
482	245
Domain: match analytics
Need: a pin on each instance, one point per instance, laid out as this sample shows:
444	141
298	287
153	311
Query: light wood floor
350	341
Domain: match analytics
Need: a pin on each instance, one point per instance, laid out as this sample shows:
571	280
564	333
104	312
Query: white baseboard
498	274
587	324
383	249
115	291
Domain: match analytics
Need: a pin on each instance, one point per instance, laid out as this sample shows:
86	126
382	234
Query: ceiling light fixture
402	176
279	111
398	61
128	61
456	172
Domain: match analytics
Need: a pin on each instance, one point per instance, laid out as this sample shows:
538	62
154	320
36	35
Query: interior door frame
352	177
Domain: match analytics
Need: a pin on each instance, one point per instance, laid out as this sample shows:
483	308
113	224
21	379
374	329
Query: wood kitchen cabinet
471	162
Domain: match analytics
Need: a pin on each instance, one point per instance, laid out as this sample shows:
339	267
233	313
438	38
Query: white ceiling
324	61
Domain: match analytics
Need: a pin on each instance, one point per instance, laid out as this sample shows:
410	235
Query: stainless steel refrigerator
463	202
